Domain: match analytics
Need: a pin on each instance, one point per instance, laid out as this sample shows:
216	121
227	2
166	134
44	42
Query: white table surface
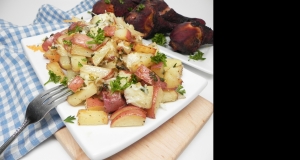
23	12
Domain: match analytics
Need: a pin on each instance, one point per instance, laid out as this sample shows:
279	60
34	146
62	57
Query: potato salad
119	80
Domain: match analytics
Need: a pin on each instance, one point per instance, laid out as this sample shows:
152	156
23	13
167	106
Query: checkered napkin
19	83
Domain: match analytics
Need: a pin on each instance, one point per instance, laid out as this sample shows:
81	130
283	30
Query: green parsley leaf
134	79
197	56
75	30
159	39
140	7
159	57
116	84
129	9
180	90
64	81
107	1
153	76
97	23
121	1
53	47
70	119
53	77
67	42
98	38
79	64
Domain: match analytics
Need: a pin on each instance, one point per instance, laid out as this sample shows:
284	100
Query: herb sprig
97	38
159	57
70	119
180	90
197	56
160	39
56	79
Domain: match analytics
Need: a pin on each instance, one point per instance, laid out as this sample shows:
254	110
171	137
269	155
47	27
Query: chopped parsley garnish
70	119
159	57
64	81
144	89
67	42
98	38
79	64
97	23
53	47
159	39
180	90
134	79
75	30
153	76
56	79
121	1
107	1
53	77
116	84
140	7
130	9
92	78
197	56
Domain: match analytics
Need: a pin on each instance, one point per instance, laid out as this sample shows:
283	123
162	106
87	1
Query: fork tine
54	89
52	92
60	100
60	97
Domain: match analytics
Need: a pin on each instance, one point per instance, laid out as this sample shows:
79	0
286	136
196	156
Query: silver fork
39	107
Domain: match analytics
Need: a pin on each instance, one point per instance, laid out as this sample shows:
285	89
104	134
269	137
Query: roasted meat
101	7
187	37
146	19
119	8
171	15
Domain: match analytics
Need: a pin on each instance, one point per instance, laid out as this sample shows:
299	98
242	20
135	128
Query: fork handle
14	136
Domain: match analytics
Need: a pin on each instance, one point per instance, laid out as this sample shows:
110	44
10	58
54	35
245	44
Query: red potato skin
136	112
145	74
76	84
49	41
110	75
109	31
120	110
82	40
112	101
151	112
93	102
158	65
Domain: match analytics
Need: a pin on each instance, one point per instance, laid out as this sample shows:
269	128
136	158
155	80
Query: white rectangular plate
101	141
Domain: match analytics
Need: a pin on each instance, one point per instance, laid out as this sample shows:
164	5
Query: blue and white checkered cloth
19	83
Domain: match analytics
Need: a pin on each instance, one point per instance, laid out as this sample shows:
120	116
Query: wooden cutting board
166	142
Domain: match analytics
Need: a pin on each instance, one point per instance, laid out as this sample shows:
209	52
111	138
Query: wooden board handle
166	142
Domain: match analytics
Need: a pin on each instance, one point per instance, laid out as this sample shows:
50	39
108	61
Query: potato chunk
139	95
82	95
92	117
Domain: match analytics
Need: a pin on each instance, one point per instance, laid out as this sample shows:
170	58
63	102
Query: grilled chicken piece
119	8
122	9
146	19
187	37
171	15
101	7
